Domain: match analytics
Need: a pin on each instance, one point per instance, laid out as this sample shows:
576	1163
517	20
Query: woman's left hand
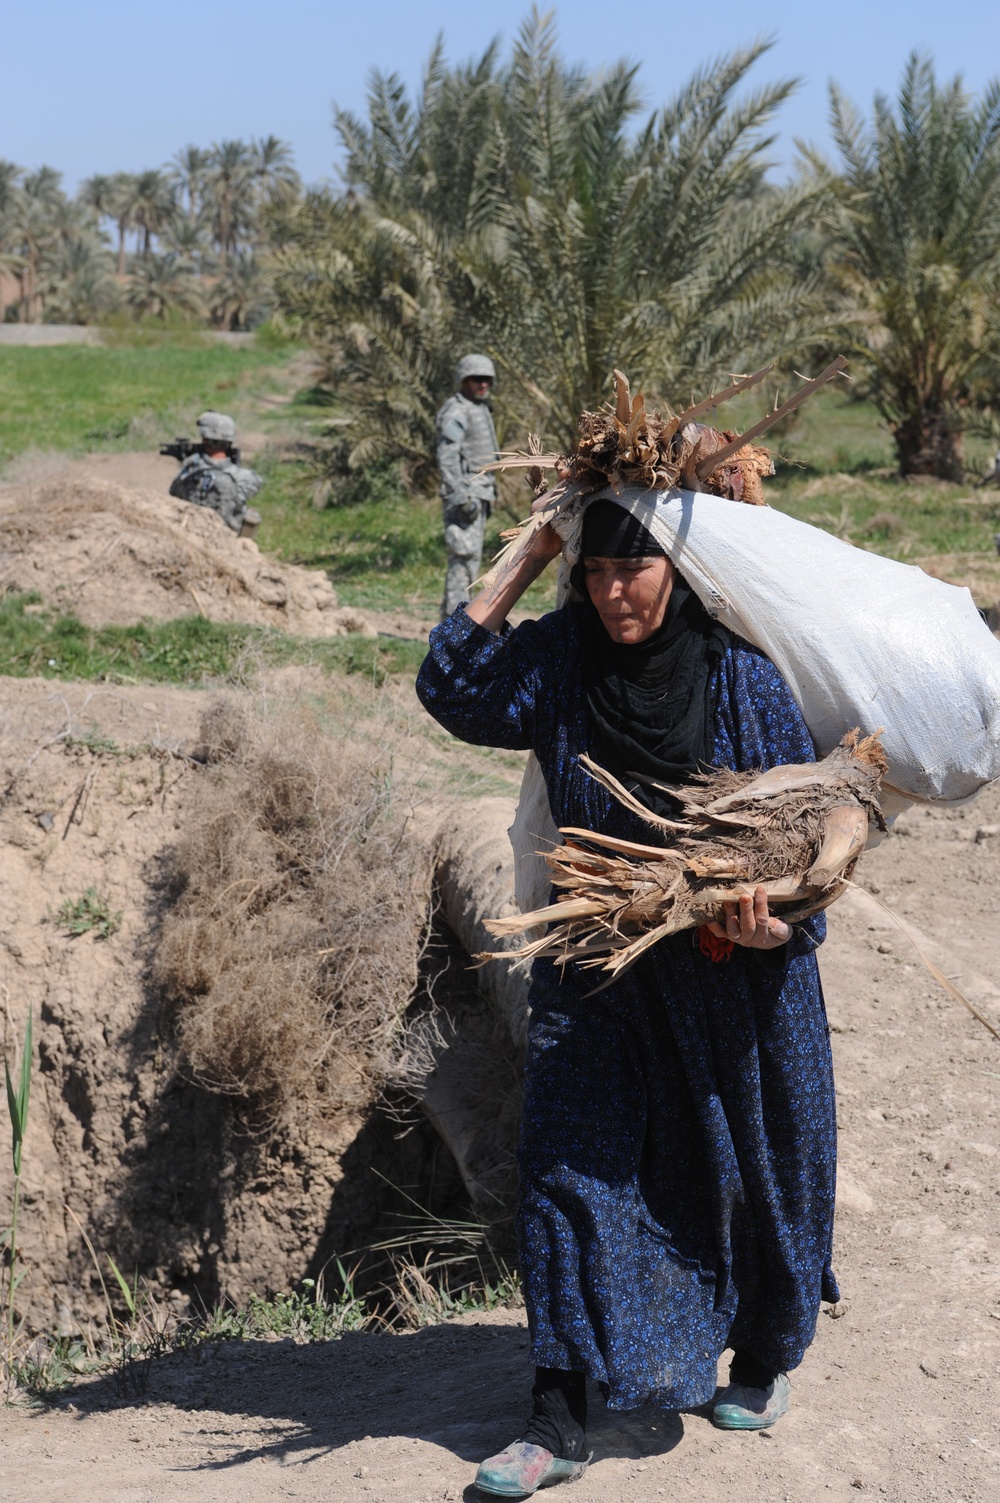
749	923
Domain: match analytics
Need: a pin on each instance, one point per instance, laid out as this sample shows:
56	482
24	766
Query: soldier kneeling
211	477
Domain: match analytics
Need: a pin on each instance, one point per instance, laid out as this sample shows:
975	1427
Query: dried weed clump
291	951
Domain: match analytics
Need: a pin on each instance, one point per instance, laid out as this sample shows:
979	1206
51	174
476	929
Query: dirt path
896	1398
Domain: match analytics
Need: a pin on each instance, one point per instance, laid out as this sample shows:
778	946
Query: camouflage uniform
225	487
466	440
219	482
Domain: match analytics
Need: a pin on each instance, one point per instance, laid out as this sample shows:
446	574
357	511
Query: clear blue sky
115	85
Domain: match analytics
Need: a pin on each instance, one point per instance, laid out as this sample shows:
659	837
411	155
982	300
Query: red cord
711	945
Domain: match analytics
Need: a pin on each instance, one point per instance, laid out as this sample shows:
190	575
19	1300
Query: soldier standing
466	440
213	478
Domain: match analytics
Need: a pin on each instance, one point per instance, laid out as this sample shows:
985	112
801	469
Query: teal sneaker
523	1468
741	1408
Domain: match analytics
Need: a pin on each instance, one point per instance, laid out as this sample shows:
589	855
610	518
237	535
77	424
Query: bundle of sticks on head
795	830
631	445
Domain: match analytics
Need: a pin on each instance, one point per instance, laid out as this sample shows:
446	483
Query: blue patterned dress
678	1145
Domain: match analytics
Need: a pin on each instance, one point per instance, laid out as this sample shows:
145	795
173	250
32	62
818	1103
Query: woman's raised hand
490	608
545	545
749	923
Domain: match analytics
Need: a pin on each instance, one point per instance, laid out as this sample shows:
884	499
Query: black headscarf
649	699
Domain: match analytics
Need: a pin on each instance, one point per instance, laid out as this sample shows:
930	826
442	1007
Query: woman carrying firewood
678	1145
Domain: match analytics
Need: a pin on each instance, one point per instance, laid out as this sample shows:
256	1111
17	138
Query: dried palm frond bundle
796	830
632	445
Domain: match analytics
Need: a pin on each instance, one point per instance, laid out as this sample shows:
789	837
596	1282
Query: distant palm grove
178	242
522	206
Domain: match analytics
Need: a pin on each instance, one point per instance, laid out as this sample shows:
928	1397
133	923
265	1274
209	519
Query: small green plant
421	1297
51	1366
137	1341
307	1314
17	1106
133	1343
90	913
94	741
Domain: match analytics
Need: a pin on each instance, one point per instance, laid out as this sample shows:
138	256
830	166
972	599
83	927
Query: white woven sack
861	641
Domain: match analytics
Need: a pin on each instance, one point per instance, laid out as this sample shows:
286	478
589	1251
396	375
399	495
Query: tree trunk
929	443
223	231
28	297
121	247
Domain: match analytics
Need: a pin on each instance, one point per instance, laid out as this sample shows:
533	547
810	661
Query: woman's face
630	595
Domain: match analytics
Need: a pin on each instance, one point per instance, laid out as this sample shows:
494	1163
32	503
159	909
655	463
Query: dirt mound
114	555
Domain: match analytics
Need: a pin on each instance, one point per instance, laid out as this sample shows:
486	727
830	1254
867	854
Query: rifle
183	448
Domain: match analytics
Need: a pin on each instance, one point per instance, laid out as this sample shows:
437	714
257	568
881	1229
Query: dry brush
290	953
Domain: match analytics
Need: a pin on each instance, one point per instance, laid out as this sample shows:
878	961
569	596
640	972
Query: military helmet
218	426
474	365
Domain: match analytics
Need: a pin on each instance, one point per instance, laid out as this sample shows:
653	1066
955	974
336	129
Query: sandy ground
897	1396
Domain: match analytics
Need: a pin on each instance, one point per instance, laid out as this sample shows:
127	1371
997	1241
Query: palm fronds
796	830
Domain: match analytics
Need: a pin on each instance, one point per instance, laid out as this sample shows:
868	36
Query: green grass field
34	640
387	555
834	469
128	395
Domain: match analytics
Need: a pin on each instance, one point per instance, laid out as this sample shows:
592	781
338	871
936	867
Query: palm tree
434	156
152	207
33	205
161	285
10	257
10	176
98	193
76	279
520	209
227	188
187	238
660	252
121	202
367	276
236	295
918	263
273	171
368	293
187	172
